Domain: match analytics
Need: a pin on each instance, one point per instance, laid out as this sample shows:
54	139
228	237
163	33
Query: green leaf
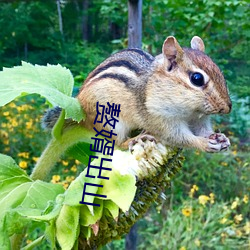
14	223
86	218
50	234
80	151
8	220
67	226
86	231
74	193
9	168
45	216
28	201
9	184
112	207
14	198
119	188
53	82
4	240
20	197
39	194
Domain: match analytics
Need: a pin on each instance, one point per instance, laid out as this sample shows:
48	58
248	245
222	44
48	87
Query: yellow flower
14	123
73	168
19	108
24	154
4	134
23	164
238	159
187	211
193	190
77	162
55	178
29	124
223	235
238	233
234	152
65	163
12	105
183	248
6	149
245	199
35	159
6	141
6	113
235	203
24	107
238	218
211	195
203	199
223	220
247	227
70	178
197	242
224	164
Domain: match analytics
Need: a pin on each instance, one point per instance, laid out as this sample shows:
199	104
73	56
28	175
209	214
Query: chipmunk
170	97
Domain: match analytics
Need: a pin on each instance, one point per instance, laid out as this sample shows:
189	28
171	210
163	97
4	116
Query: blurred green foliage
30	32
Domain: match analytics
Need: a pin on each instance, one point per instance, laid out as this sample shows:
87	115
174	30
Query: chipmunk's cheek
208	109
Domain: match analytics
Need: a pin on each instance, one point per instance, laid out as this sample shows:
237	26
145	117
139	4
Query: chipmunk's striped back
124	66
120	79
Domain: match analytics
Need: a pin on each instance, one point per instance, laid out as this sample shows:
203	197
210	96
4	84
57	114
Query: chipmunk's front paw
218	142
141	139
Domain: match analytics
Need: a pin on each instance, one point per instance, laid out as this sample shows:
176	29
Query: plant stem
52	153
56	147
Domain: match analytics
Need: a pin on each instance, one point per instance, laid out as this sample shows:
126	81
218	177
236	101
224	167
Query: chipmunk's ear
197	43
171	49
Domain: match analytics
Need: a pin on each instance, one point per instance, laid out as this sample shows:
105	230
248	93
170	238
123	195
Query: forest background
207	205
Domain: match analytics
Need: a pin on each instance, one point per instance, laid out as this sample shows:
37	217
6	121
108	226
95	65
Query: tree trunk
135	23
59	16
134	41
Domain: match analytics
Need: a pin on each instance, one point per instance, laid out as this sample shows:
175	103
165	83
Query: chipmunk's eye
197	79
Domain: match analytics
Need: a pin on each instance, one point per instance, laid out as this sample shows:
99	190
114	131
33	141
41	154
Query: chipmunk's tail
50	118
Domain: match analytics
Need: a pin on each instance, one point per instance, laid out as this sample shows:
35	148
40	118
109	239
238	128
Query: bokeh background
207	206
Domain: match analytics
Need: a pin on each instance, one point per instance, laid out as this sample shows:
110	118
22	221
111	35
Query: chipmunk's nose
227	108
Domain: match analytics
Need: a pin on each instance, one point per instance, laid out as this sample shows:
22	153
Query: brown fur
156	94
